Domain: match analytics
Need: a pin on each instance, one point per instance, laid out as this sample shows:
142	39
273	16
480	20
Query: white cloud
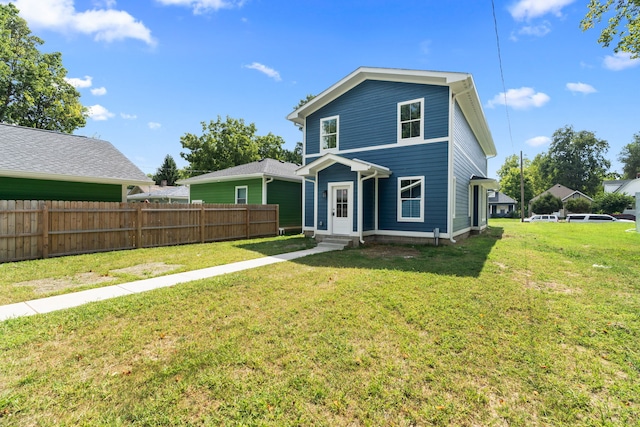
128	116
99	113
620	61
265	70
527	9
203	6
154	125
520	99
540	30
104	24
79	83
99	91
581	88
425	46
538	141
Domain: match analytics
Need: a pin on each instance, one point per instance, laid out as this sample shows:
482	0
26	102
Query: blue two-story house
395	155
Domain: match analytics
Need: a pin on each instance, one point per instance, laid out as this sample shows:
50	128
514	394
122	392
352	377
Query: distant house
159	194
563	193
38	164
611	186
500	205
395	155
267	181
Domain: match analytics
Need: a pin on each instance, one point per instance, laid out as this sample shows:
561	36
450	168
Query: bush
546	204
611	203
578	205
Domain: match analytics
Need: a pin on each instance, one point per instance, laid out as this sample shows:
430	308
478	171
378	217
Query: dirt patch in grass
389	252
151	269
45	286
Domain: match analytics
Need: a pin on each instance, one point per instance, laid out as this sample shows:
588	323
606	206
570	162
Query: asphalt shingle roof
266	167
501	198
29	151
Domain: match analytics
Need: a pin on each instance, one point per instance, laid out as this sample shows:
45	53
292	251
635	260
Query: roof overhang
461	84
488	183
74	178
365	168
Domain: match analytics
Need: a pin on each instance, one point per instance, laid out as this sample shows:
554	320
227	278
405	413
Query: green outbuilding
268	181
38	164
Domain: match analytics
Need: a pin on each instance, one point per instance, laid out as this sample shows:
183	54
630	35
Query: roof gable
461	85
42	154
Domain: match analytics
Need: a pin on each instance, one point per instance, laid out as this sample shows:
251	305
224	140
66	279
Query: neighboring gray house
563	193
159	194
38	164
500	205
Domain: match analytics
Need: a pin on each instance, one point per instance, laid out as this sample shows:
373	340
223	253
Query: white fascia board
74	178
331	159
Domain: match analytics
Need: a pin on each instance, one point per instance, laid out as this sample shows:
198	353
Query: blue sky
152	70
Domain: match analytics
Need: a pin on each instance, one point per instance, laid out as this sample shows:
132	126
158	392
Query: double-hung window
329	133
410	120
411	199
241	195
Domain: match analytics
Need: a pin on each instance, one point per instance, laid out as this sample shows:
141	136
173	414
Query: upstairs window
410	123
329	133
411	198
241	195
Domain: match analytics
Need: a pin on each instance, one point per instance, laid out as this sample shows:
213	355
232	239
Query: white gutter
265	181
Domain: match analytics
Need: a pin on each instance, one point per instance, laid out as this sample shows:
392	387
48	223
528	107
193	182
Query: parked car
542	218
603	218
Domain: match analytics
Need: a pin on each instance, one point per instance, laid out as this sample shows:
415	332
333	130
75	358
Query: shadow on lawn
464	259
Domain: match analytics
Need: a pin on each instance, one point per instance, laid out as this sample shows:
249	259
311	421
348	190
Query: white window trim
337	148
399	123
422	199
246	193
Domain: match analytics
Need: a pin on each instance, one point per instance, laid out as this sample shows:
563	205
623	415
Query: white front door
341	208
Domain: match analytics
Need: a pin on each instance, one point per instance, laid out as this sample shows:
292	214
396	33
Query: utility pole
521	190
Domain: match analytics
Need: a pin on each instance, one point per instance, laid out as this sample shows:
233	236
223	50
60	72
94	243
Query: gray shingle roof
501	198
264	167
38	153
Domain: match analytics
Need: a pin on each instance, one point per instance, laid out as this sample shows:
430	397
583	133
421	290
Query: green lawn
527	324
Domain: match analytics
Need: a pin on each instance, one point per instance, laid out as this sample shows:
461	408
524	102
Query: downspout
265	181
360	205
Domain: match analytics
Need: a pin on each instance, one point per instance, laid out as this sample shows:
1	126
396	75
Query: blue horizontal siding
368	114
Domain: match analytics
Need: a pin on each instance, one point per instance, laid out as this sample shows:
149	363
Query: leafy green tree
167	172
509	174
576	160
546	204
33	89
294	156
623	23
578	205
611	203
228	143
630	158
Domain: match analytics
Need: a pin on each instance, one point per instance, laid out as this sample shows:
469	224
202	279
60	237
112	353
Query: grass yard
527	324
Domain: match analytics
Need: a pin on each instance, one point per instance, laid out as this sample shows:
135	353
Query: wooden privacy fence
37	229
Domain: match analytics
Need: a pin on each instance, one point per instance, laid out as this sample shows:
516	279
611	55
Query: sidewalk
60	302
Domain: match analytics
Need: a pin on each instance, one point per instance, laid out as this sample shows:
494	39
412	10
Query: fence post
248	223
139	226
277	220
45	231
202	224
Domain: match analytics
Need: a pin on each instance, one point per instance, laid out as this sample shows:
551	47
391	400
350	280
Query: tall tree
167	172
509	174
630	158
33	90
623	23
576	160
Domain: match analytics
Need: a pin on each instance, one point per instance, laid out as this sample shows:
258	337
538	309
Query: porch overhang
488	183
365	168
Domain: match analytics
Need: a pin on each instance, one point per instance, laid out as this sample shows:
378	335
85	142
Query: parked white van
593	218
542	218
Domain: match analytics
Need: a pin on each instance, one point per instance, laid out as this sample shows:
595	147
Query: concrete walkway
60	302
